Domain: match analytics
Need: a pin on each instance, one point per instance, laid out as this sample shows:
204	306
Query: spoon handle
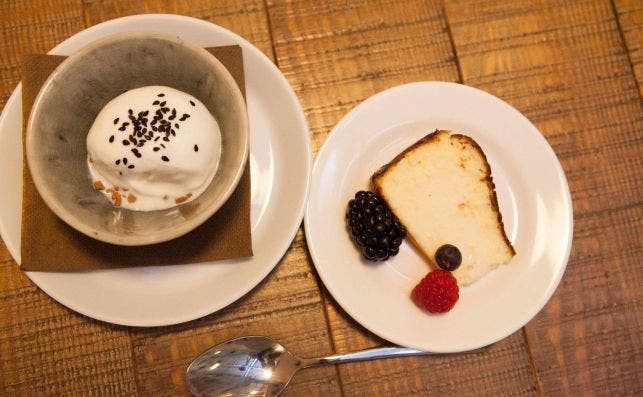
361	355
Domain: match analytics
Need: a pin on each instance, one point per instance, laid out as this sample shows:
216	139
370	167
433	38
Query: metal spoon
261	366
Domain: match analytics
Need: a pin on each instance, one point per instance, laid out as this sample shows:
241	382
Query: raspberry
437	292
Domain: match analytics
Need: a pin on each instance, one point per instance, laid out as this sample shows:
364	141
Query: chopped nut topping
182	199
131	198
98	185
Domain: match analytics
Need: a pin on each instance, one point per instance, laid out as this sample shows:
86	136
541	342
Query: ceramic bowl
82	85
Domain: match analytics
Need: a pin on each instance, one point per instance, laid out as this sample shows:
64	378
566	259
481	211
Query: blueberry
448	257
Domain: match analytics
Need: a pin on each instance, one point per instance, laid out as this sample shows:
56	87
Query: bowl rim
180	229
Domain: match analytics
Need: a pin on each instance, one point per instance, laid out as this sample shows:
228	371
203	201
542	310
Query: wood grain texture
574	67
630	17
46	349
562	63
336	54
246	18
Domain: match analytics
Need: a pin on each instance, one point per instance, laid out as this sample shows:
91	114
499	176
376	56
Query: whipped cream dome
152	148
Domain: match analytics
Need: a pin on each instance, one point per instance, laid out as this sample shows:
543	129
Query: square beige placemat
49	244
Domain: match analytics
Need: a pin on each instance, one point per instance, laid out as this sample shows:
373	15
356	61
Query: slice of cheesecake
442	191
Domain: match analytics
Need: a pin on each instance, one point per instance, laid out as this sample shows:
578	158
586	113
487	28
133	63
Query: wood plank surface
630	18
562	64
574	67
336	54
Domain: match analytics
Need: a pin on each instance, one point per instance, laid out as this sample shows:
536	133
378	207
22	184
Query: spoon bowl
246	366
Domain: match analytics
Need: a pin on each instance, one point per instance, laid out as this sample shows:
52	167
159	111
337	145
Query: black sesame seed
122	129
163	145
162	104
164	158
186	115
145	113
130	166
111	139
120	173
132	139
155	103
157	138
176	125
172	132
130	111
156	149
125	142
125	124
173	111
138	155
125	160
172	117
166	139
116	120
118	161
165	110
141	143
161	95
196	148
163	121
192	103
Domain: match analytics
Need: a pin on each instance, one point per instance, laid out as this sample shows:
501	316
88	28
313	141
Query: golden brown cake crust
375	180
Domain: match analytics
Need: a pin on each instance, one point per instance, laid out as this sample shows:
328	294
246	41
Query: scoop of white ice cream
152	148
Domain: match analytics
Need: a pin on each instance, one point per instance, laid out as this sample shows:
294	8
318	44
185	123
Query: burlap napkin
49	244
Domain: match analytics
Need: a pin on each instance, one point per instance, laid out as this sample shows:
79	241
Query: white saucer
280	160
534	200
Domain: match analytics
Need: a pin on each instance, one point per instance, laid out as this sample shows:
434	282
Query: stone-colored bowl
81	86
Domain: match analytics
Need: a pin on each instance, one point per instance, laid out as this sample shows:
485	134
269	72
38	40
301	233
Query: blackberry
375	230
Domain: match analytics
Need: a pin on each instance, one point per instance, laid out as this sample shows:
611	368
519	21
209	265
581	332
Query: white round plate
280	160
534	200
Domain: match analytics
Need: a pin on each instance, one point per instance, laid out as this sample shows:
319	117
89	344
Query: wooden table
575	68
